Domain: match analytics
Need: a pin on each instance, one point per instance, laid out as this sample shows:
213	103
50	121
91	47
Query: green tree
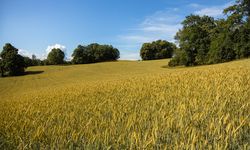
81	55
104	53
194	38
35	61
222	44
205	41
56	57
12	63
157	50
239	27
94	53
27	61
179	58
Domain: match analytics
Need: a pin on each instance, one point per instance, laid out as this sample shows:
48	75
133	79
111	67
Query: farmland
127	104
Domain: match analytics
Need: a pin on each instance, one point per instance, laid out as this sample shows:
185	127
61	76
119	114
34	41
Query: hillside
127	104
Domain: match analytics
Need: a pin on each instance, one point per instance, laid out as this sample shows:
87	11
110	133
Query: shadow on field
32	72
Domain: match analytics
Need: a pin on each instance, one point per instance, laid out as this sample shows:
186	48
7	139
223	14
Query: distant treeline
204	40
13	64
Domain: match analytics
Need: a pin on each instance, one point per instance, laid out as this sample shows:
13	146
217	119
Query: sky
37	26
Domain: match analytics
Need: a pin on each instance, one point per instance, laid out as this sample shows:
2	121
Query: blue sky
37	26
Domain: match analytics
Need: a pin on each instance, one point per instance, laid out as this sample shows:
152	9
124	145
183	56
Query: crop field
127	105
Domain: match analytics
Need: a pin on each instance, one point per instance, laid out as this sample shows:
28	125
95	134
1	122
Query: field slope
126	104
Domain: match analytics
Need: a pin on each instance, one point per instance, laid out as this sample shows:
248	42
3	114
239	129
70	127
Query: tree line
13	64
205	40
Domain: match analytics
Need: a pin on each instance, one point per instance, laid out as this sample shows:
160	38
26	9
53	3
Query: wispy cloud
194	5
136	38
164	24
160	25
214	11
24	52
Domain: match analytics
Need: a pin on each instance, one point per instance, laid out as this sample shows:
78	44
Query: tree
12	63
27	61
33	57
194	38
56	57
239	27
206	41
222	43
157	50
104	52
94	53
179	58
36	61
82	55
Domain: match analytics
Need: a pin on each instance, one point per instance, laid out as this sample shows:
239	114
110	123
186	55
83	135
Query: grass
127	105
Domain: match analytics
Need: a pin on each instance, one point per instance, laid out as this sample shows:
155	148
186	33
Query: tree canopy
157	50
94	53
204	40
56	57
11	63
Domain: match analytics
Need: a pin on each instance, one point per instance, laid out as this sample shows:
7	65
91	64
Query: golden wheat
127	105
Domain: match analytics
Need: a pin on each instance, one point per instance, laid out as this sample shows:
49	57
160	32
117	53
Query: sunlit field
127	105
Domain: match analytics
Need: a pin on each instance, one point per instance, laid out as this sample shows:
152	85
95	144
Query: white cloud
27	53
50	47
61	47
214	11
24	52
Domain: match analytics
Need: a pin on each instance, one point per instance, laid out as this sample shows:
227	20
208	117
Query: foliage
180	58
239	27
137	106
12	63
28	62
206	41
221	47
55	57
194	39
81	55
157	50
94	53
35	61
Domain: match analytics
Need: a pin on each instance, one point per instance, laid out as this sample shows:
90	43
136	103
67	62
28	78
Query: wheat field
127	105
